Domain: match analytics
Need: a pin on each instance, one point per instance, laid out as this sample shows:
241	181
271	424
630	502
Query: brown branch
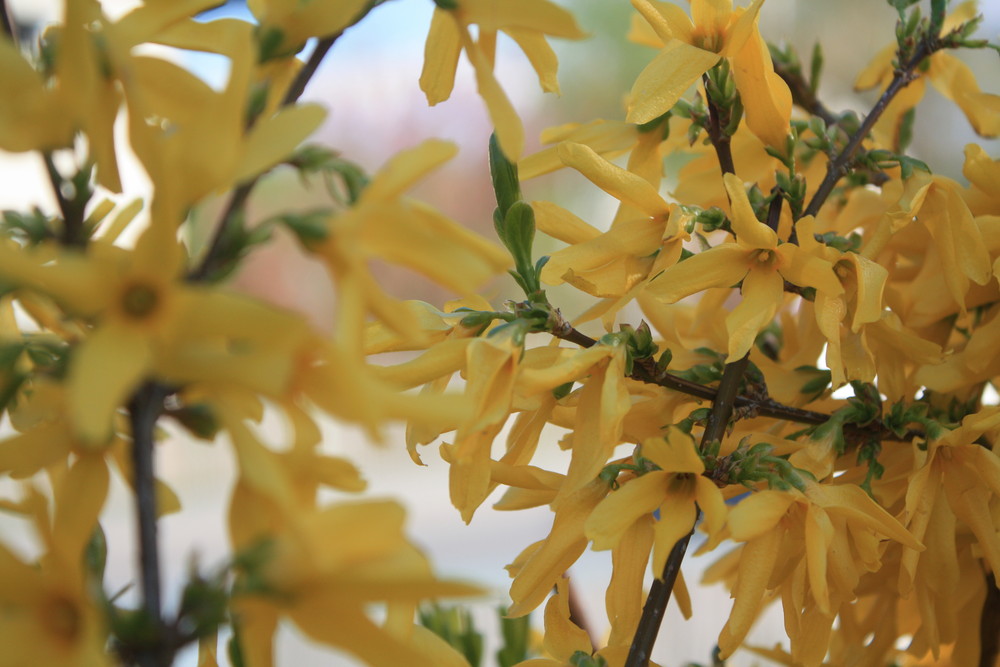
989	624
716	129
144	410
837	167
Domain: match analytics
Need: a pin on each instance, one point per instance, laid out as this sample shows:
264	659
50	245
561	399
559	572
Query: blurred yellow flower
527	22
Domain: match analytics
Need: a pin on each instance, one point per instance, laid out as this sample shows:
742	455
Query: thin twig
836	168
144	410
989	624
72	211
723	404
717	133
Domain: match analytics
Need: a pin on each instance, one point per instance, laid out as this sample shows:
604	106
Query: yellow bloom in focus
491	371
758	260
637	245
676	490
948	74
527	22
691	48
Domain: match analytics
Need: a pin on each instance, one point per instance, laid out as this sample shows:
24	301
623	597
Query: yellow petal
563	638
272	139
762	294
560	224
666	79
721	266
509	130
441	52
541	56
819	536
407	167
955	80
749	231
757	560
79	498
540	15
675	453
616	514
677	517
667	19
624	595
758	514
767	101
623	185
106	368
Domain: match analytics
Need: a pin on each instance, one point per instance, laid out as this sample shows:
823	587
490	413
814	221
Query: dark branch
803	95
838	166
144	410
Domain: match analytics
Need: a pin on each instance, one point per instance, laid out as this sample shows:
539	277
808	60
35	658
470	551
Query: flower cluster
807	384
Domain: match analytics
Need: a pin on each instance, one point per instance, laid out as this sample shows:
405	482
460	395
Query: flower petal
721	266
106	368
664	80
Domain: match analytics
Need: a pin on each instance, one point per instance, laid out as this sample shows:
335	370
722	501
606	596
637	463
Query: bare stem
838	166
144	409
72	210
989	624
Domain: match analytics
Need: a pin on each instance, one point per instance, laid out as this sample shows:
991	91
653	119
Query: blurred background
369	83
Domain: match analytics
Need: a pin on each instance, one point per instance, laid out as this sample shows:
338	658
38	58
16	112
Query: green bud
447	5
519	235
504	174
815	68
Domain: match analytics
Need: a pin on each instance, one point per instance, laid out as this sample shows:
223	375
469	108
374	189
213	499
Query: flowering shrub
822	257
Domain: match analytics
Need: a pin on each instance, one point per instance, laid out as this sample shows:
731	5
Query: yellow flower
286	25
541	565
527	22
824	540
335	563
646	240
758	260
692	48
676	490
491	371
386	225
148	323
948	74
49	617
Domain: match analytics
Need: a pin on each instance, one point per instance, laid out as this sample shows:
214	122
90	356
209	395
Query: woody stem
144	410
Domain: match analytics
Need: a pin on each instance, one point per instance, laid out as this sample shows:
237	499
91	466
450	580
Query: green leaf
310	227
506	185
815	68
516	634
519	230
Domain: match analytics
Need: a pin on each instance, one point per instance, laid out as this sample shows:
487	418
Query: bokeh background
369	83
